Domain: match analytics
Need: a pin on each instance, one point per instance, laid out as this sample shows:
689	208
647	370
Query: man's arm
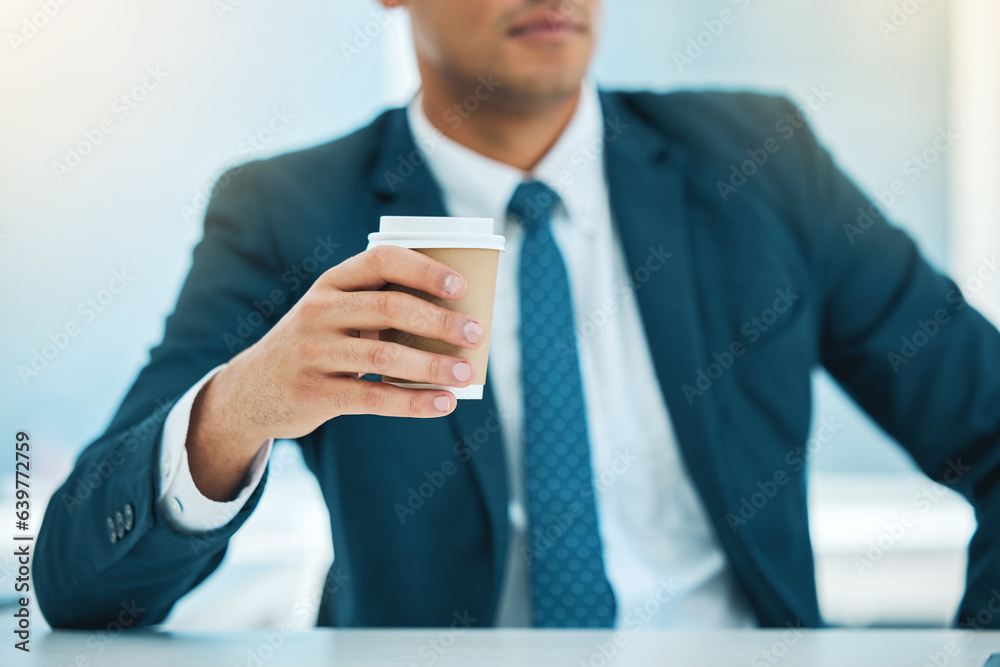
902	341
304	371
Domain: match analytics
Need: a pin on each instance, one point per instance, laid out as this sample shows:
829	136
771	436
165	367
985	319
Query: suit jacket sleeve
903	342
84	579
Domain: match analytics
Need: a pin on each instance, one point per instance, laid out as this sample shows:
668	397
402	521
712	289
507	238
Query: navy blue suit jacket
769	276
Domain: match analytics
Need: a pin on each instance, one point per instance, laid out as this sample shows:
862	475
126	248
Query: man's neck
519	136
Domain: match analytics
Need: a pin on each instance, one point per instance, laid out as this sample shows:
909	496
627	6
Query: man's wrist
222	441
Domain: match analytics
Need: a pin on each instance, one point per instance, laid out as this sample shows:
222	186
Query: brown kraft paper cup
478	265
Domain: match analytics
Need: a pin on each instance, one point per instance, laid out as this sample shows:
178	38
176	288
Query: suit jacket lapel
647	178
402	185
646	182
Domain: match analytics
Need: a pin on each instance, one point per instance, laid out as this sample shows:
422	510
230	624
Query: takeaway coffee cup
467	245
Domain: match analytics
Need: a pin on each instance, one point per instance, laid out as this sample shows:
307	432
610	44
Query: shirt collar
474	184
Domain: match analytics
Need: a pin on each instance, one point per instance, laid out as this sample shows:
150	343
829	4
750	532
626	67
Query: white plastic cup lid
436	232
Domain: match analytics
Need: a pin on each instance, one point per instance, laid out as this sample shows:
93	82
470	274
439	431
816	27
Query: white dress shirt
661	557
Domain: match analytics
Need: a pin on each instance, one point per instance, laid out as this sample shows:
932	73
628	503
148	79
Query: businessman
677	266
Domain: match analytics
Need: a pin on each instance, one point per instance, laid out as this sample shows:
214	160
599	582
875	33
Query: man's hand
306	370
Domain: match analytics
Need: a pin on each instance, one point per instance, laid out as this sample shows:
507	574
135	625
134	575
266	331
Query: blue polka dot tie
568	585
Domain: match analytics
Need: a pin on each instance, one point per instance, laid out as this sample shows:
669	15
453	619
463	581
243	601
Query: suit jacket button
120	524
129	516
112	533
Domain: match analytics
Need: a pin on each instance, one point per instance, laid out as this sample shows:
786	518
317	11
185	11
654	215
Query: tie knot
533	202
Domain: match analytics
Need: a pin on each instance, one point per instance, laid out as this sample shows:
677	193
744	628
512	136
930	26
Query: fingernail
442	403
453	284
462	371
473	332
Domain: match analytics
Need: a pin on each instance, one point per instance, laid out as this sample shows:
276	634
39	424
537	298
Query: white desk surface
526	648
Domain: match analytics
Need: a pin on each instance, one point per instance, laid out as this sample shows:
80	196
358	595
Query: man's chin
539	87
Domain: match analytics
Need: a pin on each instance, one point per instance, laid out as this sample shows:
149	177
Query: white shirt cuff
185	508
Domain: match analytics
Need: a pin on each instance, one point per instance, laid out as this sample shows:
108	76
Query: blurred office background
898	74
